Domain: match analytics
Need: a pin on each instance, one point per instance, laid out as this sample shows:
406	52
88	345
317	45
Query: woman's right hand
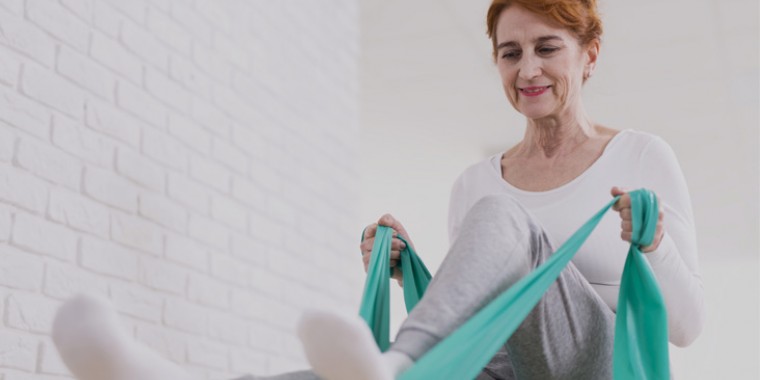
368	240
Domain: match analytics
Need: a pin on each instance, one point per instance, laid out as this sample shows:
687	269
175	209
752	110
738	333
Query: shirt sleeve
456	208
674	262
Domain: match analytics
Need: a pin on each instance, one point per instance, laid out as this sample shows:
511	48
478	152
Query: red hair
579	16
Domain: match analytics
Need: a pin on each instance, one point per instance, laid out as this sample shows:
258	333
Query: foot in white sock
94	346
341	347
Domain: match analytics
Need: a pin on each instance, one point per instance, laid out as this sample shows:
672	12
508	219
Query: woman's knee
500	218
501	209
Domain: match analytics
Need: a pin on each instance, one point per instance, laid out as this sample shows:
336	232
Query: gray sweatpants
568	335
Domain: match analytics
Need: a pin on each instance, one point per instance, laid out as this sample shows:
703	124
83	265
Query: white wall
686	70
192	160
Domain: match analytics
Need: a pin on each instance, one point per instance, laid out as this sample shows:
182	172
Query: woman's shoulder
479	176
485	168
636	142
635	136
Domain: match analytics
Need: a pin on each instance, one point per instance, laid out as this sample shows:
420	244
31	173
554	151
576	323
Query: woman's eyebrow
507	44
546	38
535	41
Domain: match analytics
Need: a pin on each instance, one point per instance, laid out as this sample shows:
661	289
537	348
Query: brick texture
156	153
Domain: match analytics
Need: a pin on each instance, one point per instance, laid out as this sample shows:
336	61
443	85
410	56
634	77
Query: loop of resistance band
641	336
375	307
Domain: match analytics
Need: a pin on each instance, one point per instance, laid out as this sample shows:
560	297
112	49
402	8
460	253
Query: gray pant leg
568	335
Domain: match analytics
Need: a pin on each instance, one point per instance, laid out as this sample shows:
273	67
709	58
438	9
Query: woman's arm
674	260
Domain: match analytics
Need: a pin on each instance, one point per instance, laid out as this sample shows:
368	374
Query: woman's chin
534	113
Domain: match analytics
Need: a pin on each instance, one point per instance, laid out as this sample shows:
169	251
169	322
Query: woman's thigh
569	334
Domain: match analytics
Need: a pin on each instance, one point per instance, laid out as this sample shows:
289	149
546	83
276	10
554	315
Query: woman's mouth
534	90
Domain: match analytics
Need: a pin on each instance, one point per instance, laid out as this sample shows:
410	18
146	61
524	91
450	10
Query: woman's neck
554	136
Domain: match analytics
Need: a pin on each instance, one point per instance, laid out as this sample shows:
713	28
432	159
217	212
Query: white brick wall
194	161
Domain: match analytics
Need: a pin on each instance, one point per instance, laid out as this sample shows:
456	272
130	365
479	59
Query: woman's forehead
517	24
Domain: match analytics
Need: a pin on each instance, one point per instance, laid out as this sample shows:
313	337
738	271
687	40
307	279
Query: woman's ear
592	54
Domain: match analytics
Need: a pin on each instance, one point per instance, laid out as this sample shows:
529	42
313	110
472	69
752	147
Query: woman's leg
568	335
300	375
499	368
94	346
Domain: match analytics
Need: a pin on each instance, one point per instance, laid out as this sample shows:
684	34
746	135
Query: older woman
507	214
508	211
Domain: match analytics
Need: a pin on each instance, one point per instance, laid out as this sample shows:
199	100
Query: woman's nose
530	67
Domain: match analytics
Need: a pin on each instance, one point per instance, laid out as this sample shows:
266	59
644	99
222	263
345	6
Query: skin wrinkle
563	69
560	141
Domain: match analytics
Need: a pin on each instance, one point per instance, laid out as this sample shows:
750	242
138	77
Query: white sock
397	361
94	346
341	347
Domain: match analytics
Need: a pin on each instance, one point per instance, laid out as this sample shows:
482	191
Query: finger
366	246
393	263
659	233
622	203
370	231
625	214
395	255
626	235
387	220
626	225
398	245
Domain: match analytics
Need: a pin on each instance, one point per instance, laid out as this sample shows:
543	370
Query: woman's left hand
623	207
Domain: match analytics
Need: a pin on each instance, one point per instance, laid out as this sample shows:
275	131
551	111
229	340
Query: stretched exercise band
641	336
375	307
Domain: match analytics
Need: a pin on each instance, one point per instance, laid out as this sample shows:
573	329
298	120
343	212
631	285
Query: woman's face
541	64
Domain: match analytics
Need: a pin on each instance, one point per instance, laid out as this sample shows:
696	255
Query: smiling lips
534	90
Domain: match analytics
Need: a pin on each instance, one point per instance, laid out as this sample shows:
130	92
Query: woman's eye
512	54
547	50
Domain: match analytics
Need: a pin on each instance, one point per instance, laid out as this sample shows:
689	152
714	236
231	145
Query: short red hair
579	16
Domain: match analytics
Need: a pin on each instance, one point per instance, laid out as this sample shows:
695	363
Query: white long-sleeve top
631	160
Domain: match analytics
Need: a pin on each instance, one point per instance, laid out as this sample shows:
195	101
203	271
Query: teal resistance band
375	307
641	338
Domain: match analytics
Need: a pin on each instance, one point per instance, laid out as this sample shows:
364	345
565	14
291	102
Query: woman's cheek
562	90
509	90
506	81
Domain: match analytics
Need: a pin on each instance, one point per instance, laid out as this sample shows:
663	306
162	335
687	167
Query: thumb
389	221
615	191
